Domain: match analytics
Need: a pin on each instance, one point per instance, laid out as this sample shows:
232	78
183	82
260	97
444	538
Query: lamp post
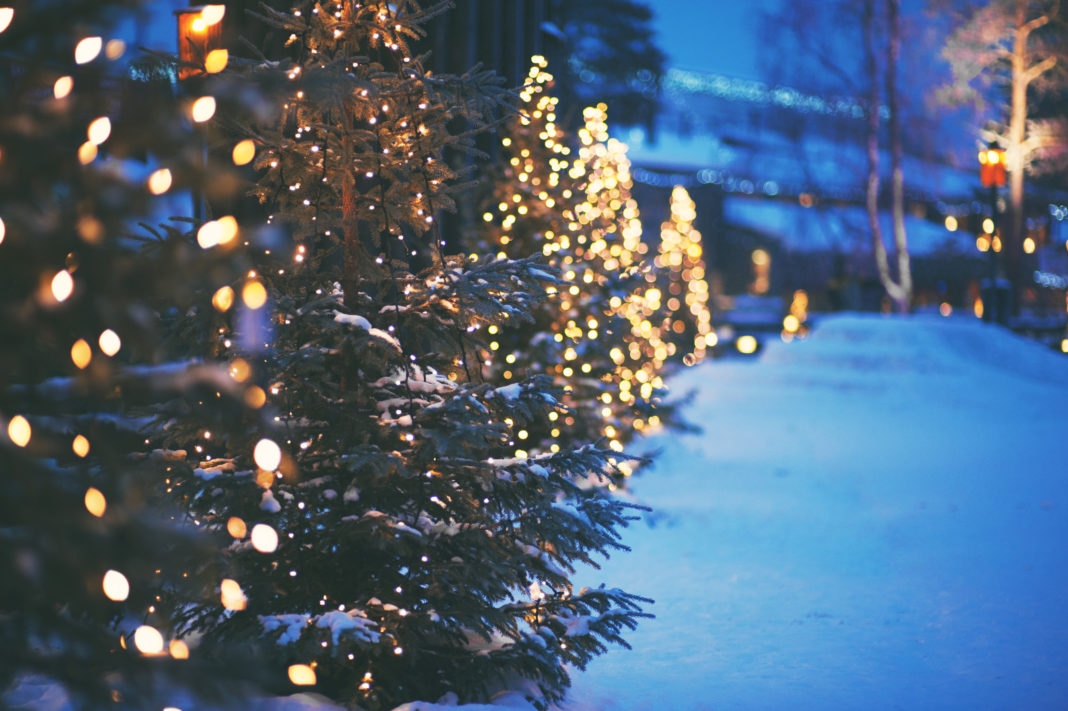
992	175
199	36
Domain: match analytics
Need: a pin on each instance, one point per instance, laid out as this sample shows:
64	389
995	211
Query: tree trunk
897	292
904	267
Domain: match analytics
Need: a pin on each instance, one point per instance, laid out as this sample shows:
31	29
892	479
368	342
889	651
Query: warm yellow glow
790	323
236	527
240	370
216	61
148	640
95	503
88	49
951	223
264	538
988	225
109	342
6	15
244	152
62	88
746	344
982	243
116	586
114	49
301	675
203	109
178	650
212	14
1028	245
231	595
977	308
995	243
19	431
1064	345
255	397
87	153
160	181
80	447
267	455
223	298
760	257
254	294
62	285
945	309
3	230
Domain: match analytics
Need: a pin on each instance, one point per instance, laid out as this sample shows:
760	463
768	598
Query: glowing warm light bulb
951	223
223	298
301	675
6	15
114	49
208	235
244	152
87	153
203	109
63	86
62	285
264	538
267	455
236	527
117	588
19	431
212	14
216	61
255	397
160	181
747	345
80	446
95	503
3	230
178	650
231	595
254	294
110	343
88	49
148	640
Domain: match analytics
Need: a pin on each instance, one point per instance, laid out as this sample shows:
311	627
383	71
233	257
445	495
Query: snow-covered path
875	518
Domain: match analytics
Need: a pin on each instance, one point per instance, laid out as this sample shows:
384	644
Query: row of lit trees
310	449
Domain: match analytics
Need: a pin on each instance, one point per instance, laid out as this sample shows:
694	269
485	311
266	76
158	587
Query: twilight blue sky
710	35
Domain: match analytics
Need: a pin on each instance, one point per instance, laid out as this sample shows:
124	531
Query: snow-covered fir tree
389	539
84	553
680	259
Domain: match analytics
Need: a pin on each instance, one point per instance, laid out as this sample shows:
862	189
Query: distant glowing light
212	14
951	223
982	243
244	152
87	153
223	298
254	294
1029	245
62	285
203	109
114	49
3	230
178	650
231	595
19	431
109	342
746	345
267	455
88	49
96	504
236	527
148	640
1064	345
80	447
160	181
216	61
117	588
988	225
6	15
301	675
264	538
63	86
945	309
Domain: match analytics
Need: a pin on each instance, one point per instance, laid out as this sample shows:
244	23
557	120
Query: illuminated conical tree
611	276
681	264
388	539
83	553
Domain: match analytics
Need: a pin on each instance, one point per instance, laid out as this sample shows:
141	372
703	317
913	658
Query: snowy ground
875	518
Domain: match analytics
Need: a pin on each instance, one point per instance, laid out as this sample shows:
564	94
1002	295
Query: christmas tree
679	259
85	555
388	537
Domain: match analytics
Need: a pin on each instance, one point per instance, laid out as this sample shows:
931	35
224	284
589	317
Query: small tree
387	536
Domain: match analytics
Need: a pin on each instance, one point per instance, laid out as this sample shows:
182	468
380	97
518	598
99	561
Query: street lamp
200	44
992	175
